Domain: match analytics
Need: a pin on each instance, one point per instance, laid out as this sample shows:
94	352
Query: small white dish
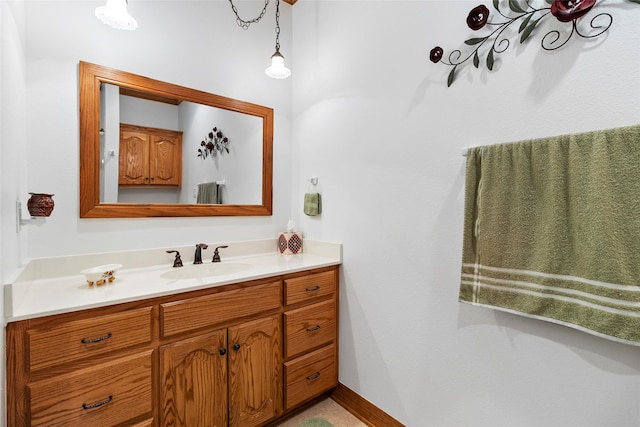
101	274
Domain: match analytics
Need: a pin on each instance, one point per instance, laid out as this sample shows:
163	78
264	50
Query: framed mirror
154	149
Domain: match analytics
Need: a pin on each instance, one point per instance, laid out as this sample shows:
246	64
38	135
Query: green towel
552	230
312	204
209	193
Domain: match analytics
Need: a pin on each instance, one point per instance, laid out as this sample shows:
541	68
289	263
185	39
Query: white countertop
54	285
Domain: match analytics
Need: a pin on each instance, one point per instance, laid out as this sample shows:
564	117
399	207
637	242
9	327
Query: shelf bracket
20	221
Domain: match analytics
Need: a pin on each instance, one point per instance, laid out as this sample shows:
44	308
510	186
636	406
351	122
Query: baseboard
362	409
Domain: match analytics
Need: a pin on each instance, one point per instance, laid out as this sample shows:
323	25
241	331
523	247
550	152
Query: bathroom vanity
238	349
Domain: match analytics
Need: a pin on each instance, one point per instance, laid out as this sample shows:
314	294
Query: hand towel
312	204
209	193
552	231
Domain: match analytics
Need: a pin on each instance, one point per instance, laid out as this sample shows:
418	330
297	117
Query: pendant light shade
115	15
277	70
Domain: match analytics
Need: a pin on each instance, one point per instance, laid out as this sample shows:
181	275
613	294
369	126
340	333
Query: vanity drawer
191	314
307	288
308	327
105	395
93	337
310	375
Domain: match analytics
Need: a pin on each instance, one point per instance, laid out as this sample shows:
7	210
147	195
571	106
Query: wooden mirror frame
90	77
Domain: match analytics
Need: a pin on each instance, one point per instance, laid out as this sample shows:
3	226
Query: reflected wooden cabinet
239	355
149	157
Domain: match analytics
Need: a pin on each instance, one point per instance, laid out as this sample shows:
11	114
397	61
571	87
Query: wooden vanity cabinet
149	157
91	368
310	321
237	367
234	355
228	377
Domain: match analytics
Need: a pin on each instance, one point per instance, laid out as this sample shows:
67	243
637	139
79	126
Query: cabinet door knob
236	346
223	351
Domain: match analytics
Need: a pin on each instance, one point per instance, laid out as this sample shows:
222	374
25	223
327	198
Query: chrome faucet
197	258
216	255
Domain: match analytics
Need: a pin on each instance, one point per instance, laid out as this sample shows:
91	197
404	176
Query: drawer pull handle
314	289
97	404
315	328
313	377
95	340
236	347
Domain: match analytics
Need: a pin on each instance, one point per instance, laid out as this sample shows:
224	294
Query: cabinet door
255	380
194	382
134	158
165	159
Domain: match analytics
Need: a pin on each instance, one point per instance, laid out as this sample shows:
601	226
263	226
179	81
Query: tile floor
330	411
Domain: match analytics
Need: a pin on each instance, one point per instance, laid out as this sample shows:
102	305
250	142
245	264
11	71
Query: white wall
13	149
190	43
374	120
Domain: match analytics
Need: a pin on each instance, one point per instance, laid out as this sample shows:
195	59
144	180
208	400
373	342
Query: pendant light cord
277	25
244	24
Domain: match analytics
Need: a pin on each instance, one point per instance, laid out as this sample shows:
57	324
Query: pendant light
115	15
277	70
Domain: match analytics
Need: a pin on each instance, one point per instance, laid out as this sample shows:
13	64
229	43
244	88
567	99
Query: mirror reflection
212	156
150	148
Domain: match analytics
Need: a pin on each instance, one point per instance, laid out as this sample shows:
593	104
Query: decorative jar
40	204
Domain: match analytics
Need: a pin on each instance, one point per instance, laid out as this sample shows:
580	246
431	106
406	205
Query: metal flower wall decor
529	18
214	142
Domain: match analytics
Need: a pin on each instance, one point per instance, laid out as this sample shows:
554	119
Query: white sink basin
205	270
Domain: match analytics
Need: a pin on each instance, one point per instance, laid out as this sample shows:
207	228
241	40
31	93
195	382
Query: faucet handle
216	255
177	262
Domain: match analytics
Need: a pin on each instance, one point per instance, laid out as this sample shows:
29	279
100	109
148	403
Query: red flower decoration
478	17
214	143
568	10
436	54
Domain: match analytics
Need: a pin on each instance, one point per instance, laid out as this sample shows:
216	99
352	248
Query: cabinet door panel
255	380
165	160
134	158
194	382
